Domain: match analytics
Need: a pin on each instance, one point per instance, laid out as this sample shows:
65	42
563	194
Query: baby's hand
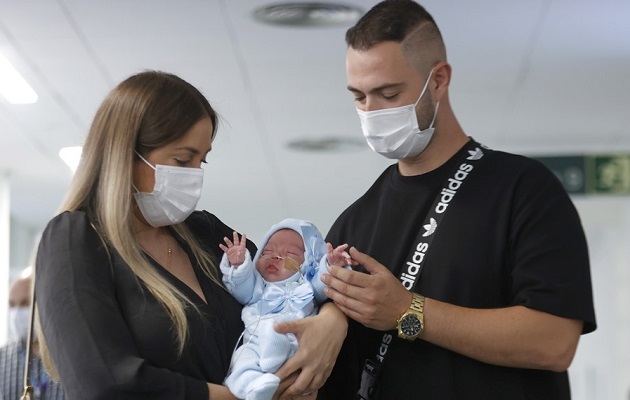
339	256
235	249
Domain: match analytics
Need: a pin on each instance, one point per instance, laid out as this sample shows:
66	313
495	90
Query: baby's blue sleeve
242	281
316	281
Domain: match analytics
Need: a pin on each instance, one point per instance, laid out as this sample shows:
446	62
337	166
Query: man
477	283
13	355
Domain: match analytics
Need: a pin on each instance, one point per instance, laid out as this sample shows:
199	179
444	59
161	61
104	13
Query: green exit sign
591	174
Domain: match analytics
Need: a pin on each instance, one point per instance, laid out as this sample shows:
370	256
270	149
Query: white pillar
5	227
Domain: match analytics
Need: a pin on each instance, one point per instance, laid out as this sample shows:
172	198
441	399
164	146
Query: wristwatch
411	323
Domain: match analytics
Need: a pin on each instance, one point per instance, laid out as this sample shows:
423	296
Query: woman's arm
320	338
219	392
85	330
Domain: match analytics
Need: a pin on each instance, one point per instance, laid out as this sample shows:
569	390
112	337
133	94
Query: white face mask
19	320
394	132
175	194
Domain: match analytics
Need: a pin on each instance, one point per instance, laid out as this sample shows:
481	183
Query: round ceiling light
308	14
330	144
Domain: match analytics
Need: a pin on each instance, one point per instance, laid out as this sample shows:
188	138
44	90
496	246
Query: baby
282	283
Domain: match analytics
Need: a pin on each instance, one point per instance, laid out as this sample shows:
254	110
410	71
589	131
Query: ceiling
536	77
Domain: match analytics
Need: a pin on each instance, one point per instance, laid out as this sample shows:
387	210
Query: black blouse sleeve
86	333
211	230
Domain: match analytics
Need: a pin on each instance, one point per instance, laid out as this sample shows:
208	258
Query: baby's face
285	243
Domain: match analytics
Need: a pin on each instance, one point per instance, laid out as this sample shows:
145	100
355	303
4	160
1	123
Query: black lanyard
467	161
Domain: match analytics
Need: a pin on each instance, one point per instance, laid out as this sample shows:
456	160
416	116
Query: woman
129	294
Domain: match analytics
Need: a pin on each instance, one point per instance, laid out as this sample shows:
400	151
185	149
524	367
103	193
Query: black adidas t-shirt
510	237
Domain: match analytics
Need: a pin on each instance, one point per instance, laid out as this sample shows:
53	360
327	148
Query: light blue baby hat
314	244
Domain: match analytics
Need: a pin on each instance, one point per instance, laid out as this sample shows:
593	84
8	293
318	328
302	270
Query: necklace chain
170	253
169	250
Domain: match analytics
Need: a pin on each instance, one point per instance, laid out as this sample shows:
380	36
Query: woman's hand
320	338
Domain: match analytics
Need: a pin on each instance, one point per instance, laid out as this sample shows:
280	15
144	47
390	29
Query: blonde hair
144	112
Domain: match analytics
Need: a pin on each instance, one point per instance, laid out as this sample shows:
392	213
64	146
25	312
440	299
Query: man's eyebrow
376	89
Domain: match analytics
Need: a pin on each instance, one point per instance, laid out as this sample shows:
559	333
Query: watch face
410	325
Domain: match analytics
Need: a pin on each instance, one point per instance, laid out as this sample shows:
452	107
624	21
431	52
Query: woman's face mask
394	132
175	195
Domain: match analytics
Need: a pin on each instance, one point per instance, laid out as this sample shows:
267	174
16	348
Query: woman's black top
108	335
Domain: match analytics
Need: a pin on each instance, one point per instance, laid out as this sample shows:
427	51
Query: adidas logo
430	228
475	154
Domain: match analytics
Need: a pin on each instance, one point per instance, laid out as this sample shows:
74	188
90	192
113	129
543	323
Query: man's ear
441	80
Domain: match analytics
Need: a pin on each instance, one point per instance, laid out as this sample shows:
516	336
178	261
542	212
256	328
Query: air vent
308	14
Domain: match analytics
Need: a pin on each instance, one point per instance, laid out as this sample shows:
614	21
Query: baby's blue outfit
263	351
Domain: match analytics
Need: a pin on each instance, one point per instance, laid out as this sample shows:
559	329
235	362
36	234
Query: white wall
5	212
21	243
24	239
601	368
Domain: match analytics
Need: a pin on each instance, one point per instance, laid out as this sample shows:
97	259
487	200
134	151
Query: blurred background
545	78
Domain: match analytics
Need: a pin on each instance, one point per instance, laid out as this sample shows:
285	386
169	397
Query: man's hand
376	299
320	338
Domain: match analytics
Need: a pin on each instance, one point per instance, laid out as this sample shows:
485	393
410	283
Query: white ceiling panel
536	77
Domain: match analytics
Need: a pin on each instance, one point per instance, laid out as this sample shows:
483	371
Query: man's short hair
389	20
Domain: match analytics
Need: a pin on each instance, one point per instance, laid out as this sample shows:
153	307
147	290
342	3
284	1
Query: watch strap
417	303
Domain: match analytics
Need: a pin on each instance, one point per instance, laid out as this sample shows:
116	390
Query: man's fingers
345	300
289	367
370	264
351	313
349	277
284	384
293	363
300	386
345	287
295	327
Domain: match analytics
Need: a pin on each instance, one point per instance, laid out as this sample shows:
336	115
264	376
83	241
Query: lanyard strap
466	163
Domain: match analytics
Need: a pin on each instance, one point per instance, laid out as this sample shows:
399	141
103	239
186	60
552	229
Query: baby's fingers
235	238
228	242
243	240
341	248
348	259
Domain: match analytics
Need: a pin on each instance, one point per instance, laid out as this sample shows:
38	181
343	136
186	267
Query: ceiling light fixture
71	156
328	145
308	14
12	86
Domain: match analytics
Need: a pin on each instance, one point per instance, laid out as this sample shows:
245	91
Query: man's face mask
19	320
394	132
